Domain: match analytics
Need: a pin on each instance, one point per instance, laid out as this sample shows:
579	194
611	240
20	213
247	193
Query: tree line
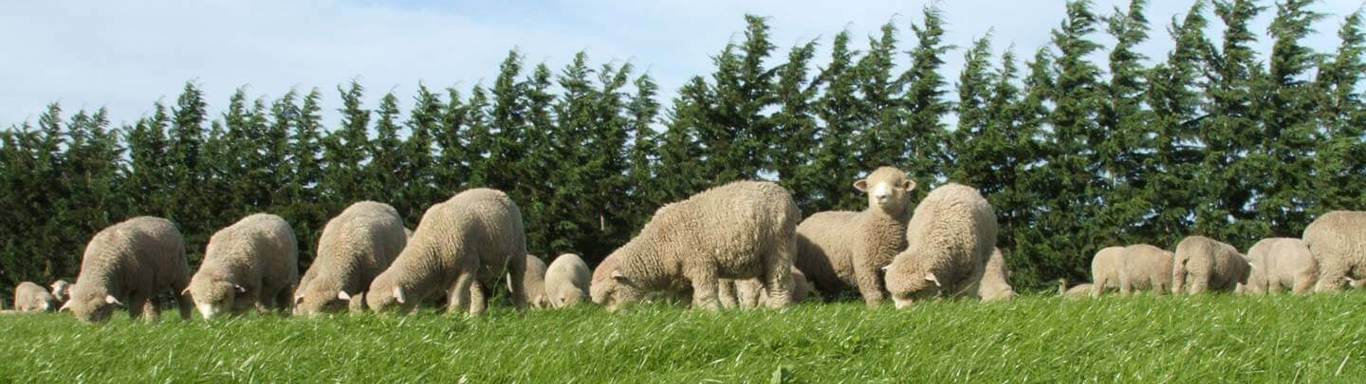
1215	138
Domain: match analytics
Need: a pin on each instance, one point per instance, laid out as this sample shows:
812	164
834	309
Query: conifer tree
878	136
1122	141
794	124
1171	171
836	163
381	179
643	112
1226	179
927	157
1289	124
345	151
1342	113
416	188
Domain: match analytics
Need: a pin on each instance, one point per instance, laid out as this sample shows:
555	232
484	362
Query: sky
126	55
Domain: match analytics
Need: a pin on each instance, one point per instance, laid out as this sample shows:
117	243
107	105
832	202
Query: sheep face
568	299
907	283
320	301
888	190
615	291
387	300
60	290
215	297
91	306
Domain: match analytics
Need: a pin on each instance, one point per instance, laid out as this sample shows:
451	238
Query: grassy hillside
1035	339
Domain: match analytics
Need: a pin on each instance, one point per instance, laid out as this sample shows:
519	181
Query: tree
1171	171
1121	143
829	173
1338	167
927	156
1230	131
794	124
1288	119
345	150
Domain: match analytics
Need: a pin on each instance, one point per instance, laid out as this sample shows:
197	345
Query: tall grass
1216	338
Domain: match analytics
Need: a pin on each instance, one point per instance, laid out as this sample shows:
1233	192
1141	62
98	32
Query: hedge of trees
1214	138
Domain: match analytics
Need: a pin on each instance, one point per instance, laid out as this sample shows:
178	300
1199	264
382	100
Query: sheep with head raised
1204	264
30	297
842	249
354	247
1337	240
740	230
949	240
133	262
253	263
462	246
1281	263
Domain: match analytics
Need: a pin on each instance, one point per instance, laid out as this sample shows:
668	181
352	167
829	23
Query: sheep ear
110	299
298	299
908	185
185	292
616	275
341	295
933	279
861	185
886	267
398	295
65	306
239	288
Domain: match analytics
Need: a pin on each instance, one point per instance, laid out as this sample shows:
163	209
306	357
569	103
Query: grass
1218	338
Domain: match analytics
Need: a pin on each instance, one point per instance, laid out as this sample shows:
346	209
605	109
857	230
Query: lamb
995	284
749	293
740	230
1145	267
462	246
251	263
354	247
842	249
1205	264
949	238
1281	263
131	261
567	281
61	290
1105	268
1337	240
30	297
534	283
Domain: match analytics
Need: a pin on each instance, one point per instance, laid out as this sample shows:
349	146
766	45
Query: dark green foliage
1212	138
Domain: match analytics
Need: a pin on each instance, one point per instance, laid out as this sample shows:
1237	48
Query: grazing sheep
801	288
842	249
1279	263
534	283
995	284
1338	242
567	281
462	247
1105	268
61	290
949	240
253	263
1145	267
1079	291
30	297
354	247
1204	264
132	261
740	230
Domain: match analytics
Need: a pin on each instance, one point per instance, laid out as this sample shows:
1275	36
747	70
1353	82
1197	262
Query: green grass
1279	339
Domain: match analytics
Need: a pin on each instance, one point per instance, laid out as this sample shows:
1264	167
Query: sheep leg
1304	282
457	296
137	303
478	301
185	303
1332	276
284	300
704	288
1098	286
865	275
1126	284
1274	286
726	294
517	269
151	309
777	278
747	292
1199	284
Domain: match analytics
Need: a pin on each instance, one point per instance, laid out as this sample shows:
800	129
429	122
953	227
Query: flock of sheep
743	244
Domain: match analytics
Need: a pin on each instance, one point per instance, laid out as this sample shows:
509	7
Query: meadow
1213	338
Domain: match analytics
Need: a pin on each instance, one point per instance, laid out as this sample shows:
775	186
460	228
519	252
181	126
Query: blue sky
125	55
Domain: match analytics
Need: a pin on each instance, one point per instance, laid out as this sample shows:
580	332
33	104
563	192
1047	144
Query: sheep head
888	190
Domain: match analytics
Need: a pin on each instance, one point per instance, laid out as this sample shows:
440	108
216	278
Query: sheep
533	281
749	293
30	297
1281	263
1078	291
1145	267
1337	240
995	284
462	246
61	290
131	261
842	249
1105	268
567	281
354	247
740	230
949	238
253	263
1204	264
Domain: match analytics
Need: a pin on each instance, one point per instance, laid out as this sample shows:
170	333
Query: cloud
127	55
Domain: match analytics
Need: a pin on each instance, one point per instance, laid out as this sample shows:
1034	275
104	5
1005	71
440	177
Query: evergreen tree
506	166
478	138
386	156
416	173
928	155
1288	117
541	162
643	112
738	134
682	171
1226	179
345	151
831	172
453	171
1171	171
977	143
1122	141
794	124
1342	113
1032	197
306	209
190	195
879	137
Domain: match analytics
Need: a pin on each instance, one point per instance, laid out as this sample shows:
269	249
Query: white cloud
126	55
